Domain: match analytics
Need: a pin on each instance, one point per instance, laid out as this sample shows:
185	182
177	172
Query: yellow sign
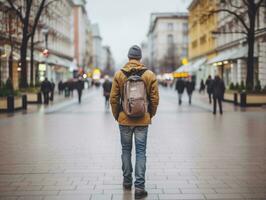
184	61
181	74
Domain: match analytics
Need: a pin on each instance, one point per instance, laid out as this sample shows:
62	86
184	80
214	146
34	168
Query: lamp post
46	32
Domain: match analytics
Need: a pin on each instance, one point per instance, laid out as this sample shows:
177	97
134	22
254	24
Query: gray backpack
134	98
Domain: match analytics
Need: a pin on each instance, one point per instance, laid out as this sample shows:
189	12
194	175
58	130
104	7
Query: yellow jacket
150	81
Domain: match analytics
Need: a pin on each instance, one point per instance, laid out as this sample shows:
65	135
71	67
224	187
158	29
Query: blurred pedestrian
60	87
218	93
46	88
190	86
209	84
134	85
202	86
71	87
107	86
52	90
180	87
80	87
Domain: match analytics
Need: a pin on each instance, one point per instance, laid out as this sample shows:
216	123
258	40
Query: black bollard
24	102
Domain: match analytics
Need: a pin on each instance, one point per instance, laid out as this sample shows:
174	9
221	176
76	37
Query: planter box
245	99
34	98
12	103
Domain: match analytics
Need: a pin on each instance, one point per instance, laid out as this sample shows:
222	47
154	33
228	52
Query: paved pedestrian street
71	151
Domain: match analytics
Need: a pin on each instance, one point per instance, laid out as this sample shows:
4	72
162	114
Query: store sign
42	67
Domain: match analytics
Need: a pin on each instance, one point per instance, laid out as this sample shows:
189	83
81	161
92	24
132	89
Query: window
194	44
170	39
170	26
203	39
185	27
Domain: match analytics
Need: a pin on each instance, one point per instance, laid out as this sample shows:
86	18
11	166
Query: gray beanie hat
135	53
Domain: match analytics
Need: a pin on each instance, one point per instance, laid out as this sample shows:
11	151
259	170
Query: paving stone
190	153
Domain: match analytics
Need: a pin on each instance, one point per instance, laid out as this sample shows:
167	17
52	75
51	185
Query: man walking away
190	86
52	90
218	93
107	86
60	87
46	88
80	87
180	87
209	84
202	86
134	99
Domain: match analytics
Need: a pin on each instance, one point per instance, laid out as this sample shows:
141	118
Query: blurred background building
167	41
97	47
65	43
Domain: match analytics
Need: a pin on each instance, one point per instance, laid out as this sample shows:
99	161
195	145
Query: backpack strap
134	72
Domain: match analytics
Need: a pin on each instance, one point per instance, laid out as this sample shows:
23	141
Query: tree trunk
23	60
10	63
32	60
251	42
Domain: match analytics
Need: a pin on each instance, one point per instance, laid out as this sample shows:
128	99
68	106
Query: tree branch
37	17
259	4
18	12
233	5
235	14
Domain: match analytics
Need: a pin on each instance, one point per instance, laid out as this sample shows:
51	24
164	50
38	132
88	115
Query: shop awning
221	57
198	63
183	68
232	55
54	60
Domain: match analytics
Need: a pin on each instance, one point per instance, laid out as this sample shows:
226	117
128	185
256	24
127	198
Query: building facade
108	61
97	47
52	34
202	42
232	48
167	41
81	34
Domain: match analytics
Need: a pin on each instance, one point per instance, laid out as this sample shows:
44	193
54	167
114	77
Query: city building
167	41
232	49
108	61
145	54
81	34
56	25
52	36
201	39
97	47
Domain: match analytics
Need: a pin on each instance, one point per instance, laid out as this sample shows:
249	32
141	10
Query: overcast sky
124	23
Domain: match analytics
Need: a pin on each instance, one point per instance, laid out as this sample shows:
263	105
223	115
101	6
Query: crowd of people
67	88
215	89
181	85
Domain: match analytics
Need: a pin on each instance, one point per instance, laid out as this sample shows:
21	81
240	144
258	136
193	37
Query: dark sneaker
127	187
139	194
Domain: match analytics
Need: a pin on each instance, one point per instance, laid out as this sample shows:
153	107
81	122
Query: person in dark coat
190	87
52	90
46	88
218	93
209	83
202	86
71	87
60	87
107	86
180	87
80	87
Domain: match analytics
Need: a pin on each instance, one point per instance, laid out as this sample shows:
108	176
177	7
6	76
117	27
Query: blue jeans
140	136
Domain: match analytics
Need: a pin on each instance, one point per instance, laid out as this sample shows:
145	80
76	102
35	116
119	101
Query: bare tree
29	20
241	9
